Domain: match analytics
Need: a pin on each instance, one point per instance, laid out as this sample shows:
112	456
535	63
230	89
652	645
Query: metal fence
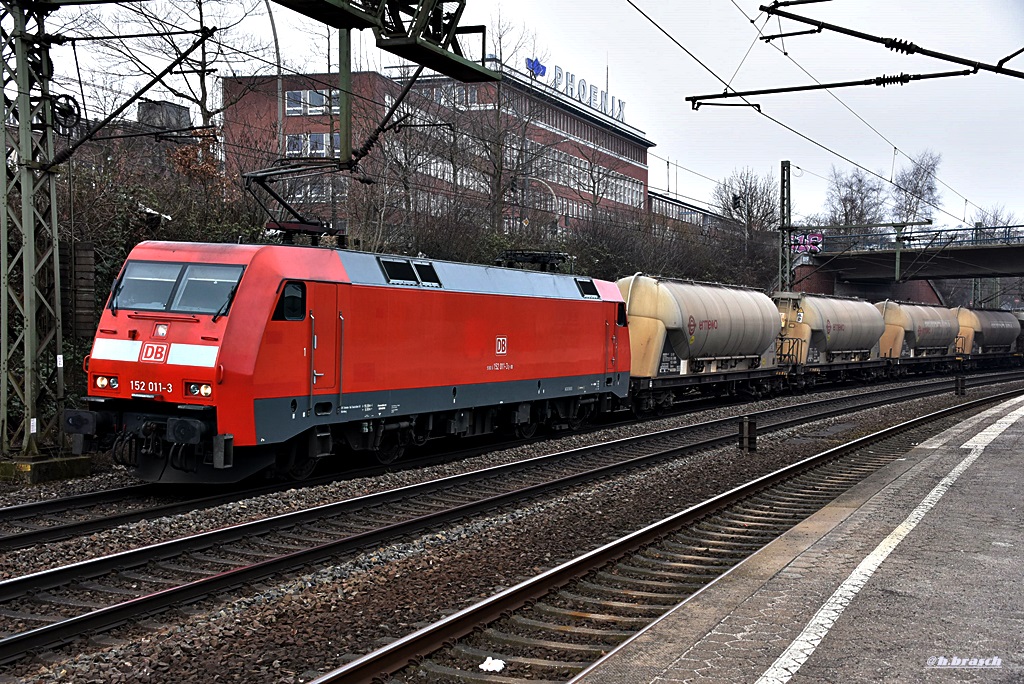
886	239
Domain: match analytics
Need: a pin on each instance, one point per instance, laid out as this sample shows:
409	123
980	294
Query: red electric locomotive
213	362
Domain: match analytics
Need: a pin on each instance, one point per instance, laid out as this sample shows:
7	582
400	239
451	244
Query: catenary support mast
32	392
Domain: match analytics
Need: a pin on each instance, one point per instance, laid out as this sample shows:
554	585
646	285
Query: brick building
527	151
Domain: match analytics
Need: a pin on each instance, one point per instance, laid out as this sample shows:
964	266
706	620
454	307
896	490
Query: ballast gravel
294	630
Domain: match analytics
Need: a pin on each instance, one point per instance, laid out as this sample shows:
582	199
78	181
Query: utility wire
777	121
895	147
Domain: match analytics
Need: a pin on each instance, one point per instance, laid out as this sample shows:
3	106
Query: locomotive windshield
176	287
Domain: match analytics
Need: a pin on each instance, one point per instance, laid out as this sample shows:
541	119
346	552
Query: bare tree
145	37
749	201
999	220
916	194
857	198
749	205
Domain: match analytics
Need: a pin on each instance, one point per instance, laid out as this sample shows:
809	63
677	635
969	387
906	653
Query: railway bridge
892	265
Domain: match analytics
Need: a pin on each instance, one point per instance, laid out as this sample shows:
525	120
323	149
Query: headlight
196	389
102	382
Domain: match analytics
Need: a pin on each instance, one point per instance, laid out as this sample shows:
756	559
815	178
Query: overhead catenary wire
357	95
896	150
789	128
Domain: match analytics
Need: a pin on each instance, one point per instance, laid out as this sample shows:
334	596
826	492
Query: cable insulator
892	80
901	45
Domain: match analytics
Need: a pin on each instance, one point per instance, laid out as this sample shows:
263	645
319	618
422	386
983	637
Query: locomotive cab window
621	319
176	287
206	289
587	288
291	306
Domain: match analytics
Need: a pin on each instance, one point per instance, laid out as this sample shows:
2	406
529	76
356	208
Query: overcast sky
974	122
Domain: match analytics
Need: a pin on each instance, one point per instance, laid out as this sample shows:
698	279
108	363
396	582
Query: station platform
915	574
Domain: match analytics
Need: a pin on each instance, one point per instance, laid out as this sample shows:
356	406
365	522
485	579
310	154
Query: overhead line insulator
892	80
901	45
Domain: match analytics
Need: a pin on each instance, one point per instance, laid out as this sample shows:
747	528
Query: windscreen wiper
227	302
116	290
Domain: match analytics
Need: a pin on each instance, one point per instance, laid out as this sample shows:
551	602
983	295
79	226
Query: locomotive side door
323	336
611	338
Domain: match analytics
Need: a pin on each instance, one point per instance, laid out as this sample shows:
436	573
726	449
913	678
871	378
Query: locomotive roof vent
587	288
405	272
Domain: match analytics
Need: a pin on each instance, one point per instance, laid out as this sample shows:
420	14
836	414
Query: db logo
154	352
501	345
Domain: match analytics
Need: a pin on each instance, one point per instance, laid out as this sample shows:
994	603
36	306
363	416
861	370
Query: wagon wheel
643	407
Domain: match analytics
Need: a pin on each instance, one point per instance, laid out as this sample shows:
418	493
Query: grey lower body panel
277	422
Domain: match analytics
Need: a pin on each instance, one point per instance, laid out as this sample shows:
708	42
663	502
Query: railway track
58	605
29	524
551	627
45	521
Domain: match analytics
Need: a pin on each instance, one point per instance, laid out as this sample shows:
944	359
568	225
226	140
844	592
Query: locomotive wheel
578	420
296	464
526	430
390	454
302	469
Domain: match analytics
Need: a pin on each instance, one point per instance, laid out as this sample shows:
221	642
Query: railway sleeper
575	630
738	532
652	610
107	589
669	588
695	560
686	581
748	522
695	542
696	569
567	614
455	674
476	654
520	641
622	592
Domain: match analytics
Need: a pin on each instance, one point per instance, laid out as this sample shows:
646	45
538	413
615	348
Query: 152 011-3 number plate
150	386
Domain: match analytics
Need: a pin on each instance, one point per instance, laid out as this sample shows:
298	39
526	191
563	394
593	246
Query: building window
295	145
318	144
317	102
311	102
293	102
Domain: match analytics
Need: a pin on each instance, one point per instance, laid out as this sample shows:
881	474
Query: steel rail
47	579
16	646
380	664
49	533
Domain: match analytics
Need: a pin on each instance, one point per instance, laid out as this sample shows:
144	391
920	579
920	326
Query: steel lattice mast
32	392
